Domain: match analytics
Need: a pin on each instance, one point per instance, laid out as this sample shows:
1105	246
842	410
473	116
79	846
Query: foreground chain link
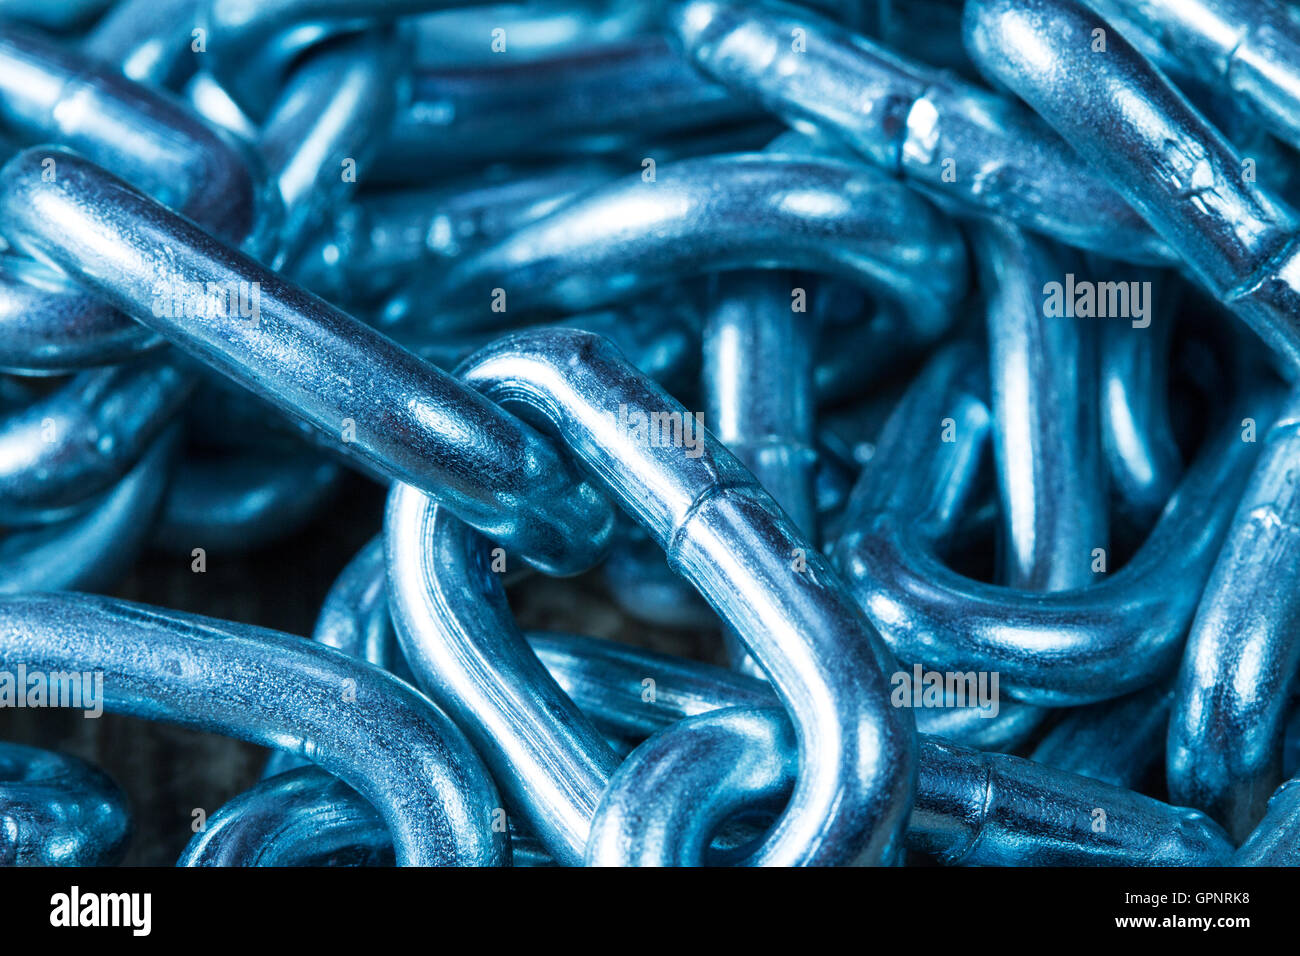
935	375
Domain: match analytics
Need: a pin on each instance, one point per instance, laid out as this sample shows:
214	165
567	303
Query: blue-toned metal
67	15
90	551
354	720
337	99
597	99
385	239
460	640
660	336
637	576
758	395
58	811
703	771
712	214
50	326
212	102
925	30
950	139
371	400
1137	437
1171	164
1045	431
535	30
48	93
825	662
1068	647
60	452
1015	817
1044	428
306	816
301	817
1002	486
320	136
353	619
242	500
853	357
1276	840
1241	658
1235	74
1249	48
149	40
250	46
993	809
1291	743
971	808
1116	741
607	680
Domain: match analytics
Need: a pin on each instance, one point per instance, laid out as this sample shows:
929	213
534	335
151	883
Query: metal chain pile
935	357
